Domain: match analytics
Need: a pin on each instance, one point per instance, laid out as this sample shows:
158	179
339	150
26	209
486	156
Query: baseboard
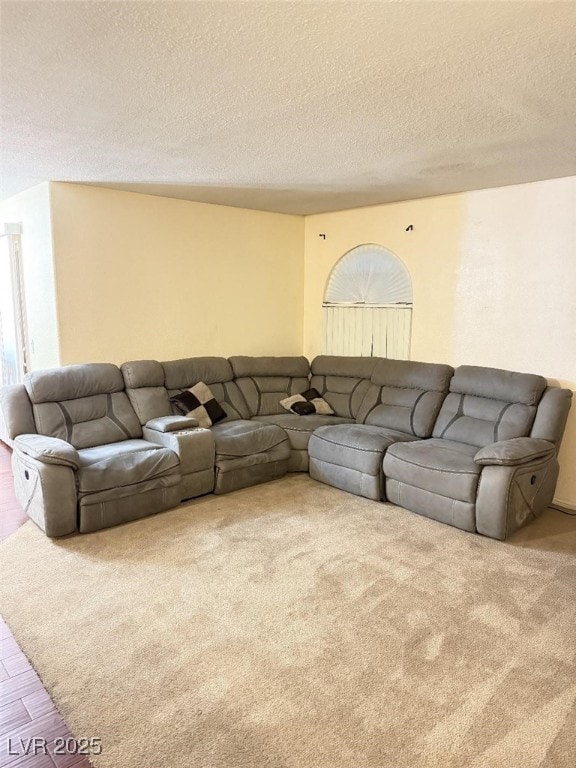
565	504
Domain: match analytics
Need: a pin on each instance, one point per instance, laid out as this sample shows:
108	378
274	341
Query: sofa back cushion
216	372
264	381
489	404
405	396
16	415
342	381
86	405
144	382
552	414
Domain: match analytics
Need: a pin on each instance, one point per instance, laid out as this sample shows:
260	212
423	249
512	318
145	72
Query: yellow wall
151	277
31	209
137	276
494	278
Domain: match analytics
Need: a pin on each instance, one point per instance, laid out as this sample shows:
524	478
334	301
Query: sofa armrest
46	491
514	452
195	447
48	450
171	423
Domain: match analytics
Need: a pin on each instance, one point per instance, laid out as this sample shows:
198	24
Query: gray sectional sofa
96	445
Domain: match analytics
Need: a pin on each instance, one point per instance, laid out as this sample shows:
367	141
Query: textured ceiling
288	106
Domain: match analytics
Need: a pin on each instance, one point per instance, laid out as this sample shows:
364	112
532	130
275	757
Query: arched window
368	305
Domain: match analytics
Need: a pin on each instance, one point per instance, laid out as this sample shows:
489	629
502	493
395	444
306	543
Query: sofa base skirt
244	476
460	514
346	479
197	484
121	505
298	461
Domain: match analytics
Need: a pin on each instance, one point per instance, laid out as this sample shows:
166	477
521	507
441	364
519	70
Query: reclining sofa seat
84	465
245	452
491	462
265	381
144	381
400	404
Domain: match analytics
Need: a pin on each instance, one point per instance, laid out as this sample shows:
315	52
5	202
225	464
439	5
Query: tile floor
31	729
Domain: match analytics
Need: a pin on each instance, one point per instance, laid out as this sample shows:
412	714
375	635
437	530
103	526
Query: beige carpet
295	626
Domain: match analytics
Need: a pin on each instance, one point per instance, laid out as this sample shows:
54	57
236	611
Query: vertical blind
368	331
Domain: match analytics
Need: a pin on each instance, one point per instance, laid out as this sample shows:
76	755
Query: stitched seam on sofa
376	404
228	399
389	405
151	448
457	415
221	454
498	421
437	469
69	426
295	429
114	418
31	383
37	419
351	395
351	447
533	401
81	421
523	459
128	376
480	418
405	386
258	394
267	464
247	383
349	469
434	493
133	449
36	480
136	406
420	396
546	473
290	428
528	504
508	495
493	400
155	476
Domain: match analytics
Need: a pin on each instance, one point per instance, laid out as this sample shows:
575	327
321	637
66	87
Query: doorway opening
13	337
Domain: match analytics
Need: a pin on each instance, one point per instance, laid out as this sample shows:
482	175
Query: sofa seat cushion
105	467
354	446
245	438
444	467
300	428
